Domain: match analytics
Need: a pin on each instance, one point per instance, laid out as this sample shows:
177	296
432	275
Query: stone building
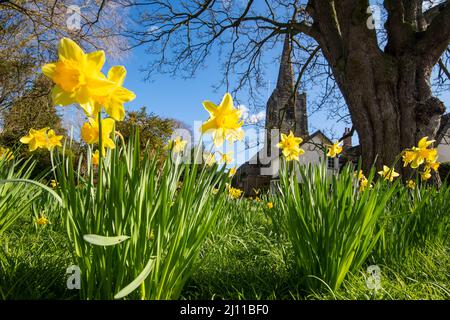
285	111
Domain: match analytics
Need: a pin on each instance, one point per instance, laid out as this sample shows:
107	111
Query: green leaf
53	193
136	282
104	241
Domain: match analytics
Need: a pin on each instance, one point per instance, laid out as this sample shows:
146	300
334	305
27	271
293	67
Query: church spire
286	73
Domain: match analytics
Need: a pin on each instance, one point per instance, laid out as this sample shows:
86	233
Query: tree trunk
390	103
387	91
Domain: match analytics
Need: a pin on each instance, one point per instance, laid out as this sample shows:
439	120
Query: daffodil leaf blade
104	241
137	282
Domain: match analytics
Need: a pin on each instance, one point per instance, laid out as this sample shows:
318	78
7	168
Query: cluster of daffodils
224	123
290	146
45	138
79	80
422	156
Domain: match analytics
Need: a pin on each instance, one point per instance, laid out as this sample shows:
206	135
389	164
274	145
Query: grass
244	260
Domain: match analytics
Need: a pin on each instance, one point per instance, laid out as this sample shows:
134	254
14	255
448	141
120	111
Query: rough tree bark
388	92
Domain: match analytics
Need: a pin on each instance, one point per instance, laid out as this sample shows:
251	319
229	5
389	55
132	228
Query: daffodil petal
117	74
69	50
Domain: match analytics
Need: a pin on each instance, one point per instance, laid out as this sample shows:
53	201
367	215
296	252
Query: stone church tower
286	109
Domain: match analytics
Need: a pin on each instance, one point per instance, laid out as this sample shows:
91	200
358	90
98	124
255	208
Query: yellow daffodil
224	121
53	140
226	157
232	172
424	143
43	138
42	220
363	184
432	165
359	175
334	149
90	133
290	146
411	184
209	159
423	155
234	193
420	154
426	174
95	158
388	173
177	145
6	154
408	157
53	184
113	101
77	75
35	139
269	205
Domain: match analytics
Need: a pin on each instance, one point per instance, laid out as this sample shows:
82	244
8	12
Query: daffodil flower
95	158
334	149
42	220
426	174
209	159
77	75
388	173
53	140
112	102
226	157
232	172
234	193
290	146
90	133
224	121
411	184
177	145
53	183
35	139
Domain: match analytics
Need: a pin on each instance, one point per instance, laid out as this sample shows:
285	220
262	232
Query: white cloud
255	118
251	118
244	111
